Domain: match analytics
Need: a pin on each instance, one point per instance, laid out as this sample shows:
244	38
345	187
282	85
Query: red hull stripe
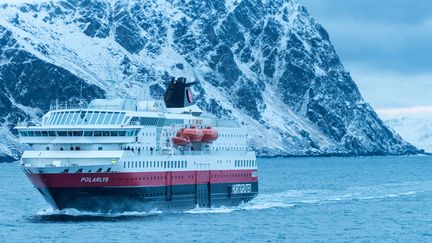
132	179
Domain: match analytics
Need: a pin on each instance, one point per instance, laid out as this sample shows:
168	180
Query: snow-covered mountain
267	64
416	131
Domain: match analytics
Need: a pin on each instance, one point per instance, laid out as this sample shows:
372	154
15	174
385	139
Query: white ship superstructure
125	154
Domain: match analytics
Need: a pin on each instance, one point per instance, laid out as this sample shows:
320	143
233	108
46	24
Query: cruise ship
117	155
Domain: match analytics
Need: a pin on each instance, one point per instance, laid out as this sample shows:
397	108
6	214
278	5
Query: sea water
372	199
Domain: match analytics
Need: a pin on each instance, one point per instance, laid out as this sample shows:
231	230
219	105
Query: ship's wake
74	215
277	200
295	198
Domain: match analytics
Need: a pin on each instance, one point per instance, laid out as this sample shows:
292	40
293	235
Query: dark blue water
321	199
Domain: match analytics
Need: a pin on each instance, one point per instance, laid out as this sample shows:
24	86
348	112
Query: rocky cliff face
267	64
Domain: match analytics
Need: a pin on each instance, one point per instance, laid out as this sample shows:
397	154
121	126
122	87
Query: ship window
147	165
136	164
120	119
106	133
108	118
57	119
44	134
84	117
77	133
63	118
49	120
69	133
97	133
101	118
115	118
78	118
53	117
100	148
122	133
47	148
88	133
87	118
165	164
70	119
94	118
62	133
113	133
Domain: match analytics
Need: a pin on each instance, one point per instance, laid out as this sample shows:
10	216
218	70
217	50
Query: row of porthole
231	175
155	164
154	178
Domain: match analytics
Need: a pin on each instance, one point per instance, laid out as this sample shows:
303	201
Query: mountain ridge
266	64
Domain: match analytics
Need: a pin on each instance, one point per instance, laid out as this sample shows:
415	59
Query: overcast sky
387	47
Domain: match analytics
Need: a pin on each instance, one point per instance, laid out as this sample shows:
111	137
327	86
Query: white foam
78	213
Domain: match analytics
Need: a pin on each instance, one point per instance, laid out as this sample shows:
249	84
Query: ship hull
127	192
144	199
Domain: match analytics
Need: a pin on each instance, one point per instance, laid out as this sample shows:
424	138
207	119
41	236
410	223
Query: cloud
392	35
388	89
418	112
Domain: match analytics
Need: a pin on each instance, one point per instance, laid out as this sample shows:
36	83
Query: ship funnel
178	93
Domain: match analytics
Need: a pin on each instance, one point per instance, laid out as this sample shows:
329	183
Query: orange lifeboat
180	141
194	134
209	135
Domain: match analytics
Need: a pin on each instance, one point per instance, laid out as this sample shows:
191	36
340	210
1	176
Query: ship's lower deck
146	191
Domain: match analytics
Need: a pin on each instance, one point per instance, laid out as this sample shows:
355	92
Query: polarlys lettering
94	179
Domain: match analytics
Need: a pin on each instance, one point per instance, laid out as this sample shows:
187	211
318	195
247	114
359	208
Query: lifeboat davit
209	135
180	141
194	134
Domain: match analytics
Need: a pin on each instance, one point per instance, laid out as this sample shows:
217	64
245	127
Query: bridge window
94	117
68	118
101	118
56	118
121	118
63	117
115	118
108	118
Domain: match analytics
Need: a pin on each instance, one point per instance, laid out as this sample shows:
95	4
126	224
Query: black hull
144	199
